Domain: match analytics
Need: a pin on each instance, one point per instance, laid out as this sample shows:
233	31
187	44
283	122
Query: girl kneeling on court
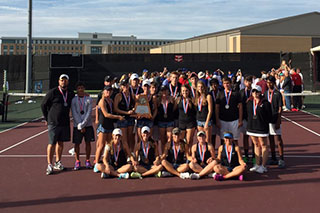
203	156
114	158
229	160
147	160
175	157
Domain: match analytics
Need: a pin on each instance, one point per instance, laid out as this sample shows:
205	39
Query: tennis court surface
25	187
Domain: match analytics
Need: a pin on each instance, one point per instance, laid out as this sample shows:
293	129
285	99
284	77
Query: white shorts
273	130
258	134
230	126
243	129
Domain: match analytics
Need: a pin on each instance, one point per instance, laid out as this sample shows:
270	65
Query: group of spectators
187	111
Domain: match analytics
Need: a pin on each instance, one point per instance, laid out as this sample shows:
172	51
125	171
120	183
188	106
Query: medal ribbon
145	150
64	97
200	104
255	105
175	91
127	100
227	96
116	154
202	151
228	156
193	93
175	151
185	105
165	106
81	104
136	90
270	96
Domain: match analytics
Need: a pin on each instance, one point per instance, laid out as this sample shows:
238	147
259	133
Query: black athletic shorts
78	136
187	125
58	133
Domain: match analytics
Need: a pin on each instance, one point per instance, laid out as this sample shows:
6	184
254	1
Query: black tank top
234	157
135	91
170	113
150	154
121	161
190	115
106	123
181	158
207	154
202	115
123	105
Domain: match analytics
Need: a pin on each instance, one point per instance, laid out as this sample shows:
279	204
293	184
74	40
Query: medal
137	90
200	104
165	108
165	116
193	93
185	104
81	104
228	156
202	151
127	100
202	164
116	154
82	112
175	91
175	151
270	96
145	152
227	95
64	97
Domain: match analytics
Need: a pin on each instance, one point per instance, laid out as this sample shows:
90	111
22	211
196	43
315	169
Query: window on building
68	41
63	42
76	48
17	47
45	47
40	47
67	48
76	42
5	47
62	48
22	47
11	47
96	50
59	41
94	36
49	48
45	41
58	48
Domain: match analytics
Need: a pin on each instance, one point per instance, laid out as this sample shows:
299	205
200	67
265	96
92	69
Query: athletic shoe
95	168
264	169
241	177
158	175
49	170
58	166
211	175
286	110
218	177
185	175
88	164
104	175
77	165
303	106
135	175
281	164
260	170
166	174
254	168
124	176
194	176
71	151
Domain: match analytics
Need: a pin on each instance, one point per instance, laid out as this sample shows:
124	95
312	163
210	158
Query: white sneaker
254	168
49	170
71	152
185	175
58	166
260	170
264	169
195	176
166	174
124	175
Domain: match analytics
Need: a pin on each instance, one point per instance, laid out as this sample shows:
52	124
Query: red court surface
25	187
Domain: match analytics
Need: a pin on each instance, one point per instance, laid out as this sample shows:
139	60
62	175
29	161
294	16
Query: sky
153	19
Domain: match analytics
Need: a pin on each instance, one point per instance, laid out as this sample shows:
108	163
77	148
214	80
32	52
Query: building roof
300	25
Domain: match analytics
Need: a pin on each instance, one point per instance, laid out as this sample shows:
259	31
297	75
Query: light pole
29	50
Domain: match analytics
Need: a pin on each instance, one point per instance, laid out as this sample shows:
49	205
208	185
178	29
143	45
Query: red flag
178	58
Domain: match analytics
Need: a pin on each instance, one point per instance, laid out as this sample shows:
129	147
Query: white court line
25	140
303	127
310	113
69	156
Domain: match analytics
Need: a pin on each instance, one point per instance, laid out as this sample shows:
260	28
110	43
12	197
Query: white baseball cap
256	87
117	131
64	76
145	128
146	82
201	74
134	76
